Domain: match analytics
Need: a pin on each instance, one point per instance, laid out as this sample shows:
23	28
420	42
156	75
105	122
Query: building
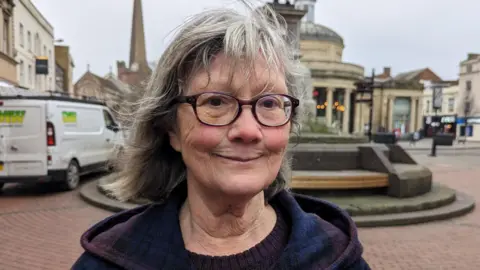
397	102
333	80
469	98
137	73
8	64
107	89
34	44
443	119
118	90
64	66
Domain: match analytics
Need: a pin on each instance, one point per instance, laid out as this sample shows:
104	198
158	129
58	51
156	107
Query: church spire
138	54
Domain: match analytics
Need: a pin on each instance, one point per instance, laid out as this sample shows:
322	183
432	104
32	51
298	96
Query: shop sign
473	120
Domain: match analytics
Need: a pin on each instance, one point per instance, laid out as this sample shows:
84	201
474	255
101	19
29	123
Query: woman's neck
220	226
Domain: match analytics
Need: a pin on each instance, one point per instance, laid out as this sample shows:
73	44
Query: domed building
333	80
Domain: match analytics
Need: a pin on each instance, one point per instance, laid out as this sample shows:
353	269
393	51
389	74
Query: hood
322	236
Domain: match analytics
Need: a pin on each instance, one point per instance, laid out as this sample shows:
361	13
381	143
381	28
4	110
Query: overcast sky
402	34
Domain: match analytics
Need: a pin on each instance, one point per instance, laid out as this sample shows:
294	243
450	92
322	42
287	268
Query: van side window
108	119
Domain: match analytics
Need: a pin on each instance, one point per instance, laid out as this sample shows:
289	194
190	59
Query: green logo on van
12	116
69	117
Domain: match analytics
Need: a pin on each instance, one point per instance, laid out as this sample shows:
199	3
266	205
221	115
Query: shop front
439	123
471	129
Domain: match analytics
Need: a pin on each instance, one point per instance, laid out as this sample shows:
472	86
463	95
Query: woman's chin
242	188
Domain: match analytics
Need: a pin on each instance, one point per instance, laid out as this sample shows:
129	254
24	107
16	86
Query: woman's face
244	157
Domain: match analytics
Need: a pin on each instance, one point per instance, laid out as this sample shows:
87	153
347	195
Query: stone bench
345	179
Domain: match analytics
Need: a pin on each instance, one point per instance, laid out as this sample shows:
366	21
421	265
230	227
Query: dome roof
312	31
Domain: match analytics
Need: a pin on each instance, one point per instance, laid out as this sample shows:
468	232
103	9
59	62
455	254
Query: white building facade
34	38
469	98
444	119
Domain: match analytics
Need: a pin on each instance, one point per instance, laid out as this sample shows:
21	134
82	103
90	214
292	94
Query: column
328	113
391	103
346	112
413	114
419	113
358	115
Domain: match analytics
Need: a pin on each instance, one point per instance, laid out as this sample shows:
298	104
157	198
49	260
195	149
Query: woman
208	148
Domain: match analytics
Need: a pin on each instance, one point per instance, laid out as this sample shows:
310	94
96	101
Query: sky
401	34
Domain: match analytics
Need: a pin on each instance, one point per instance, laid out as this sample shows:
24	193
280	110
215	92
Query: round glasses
221	109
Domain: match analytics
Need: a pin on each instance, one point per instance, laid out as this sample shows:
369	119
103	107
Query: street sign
437	97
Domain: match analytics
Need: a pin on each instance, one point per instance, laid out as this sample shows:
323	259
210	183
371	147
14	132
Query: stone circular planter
327	139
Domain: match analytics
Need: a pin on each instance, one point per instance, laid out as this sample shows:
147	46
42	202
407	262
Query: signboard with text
437	97
41	66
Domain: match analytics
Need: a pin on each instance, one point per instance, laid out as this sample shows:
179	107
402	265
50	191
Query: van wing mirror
114	128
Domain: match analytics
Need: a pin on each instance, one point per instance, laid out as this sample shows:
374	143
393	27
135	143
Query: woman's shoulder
131	237
321	233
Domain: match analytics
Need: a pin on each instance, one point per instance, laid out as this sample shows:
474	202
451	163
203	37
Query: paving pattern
40	229
451	244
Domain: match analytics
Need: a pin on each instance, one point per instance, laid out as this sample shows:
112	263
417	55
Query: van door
23	146
111	130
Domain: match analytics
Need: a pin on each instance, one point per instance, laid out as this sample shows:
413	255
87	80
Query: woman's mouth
237	158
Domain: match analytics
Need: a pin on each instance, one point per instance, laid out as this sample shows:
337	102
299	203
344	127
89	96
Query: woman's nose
246	128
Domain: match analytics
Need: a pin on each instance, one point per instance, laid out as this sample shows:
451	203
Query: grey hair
150	167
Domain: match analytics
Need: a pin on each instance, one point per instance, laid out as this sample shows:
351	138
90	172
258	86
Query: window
29	41
469	86
21	37
451	104
427	107
30	76
469	68
37	45
108	119
44	51
5	40
59	78
21	72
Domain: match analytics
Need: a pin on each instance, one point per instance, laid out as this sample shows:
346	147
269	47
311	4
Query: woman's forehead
227	74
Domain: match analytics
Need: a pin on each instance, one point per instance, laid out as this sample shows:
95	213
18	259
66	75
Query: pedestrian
208	149
414	137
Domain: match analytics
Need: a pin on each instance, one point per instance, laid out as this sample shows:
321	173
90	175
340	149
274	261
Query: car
55	139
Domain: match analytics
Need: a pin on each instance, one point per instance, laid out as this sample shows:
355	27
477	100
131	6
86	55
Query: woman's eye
215	101
270	103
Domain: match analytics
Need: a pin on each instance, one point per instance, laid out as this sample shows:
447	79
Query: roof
313	31
408	76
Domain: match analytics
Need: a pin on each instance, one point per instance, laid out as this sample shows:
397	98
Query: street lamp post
367	87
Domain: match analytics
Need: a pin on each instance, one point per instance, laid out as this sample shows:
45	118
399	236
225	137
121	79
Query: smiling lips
239	159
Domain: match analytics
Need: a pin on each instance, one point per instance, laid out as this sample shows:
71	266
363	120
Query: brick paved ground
41	229
452	244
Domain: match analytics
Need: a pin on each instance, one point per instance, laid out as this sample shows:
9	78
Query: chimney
387	71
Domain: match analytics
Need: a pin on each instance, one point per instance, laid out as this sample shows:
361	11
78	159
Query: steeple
138	54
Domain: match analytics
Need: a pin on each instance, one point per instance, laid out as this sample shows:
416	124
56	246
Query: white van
54	139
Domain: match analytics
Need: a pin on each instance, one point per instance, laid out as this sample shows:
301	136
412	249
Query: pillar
391	103
328	113
346	112
413	114
419	113
358	116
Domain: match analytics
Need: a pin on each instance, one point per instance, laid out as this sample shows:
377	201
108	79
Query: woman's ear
175	141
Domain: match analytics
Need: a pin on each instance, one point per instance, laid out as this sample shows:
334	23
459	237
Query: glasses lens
274	110
216	109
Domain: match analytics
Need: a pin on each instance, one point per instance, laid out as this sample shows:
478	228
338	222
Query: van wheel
72	176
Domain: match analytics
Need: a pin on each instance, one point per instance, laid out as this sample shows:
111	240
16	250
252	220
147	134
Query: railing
19	92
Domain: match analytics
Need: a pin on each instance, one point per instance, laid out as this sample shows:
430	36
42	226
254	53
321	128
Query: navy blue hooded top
322	236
